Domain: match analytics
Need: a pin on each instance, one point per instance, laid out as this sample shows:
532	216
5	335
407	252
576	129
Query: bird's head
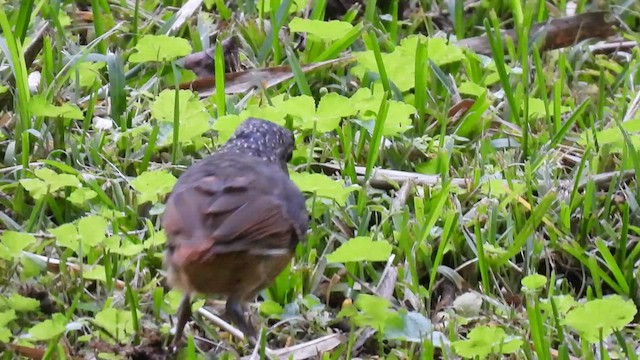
263	139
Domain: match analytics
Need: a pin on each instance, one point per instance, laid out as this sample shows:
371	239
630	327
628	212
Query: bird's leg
184	313
234	311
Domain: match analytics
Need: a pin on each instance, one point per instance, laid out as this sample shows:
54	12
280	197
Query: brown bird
233	221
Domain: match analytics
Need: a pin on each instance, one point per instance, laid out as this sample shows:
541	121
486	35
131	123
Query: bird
233	221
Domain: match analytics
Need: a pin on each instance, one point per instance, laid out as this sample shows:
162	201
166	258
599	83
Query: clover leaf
484	340
193	117
400	64
367	104
21	303
89	232
12	243
116	322
40	106
159	48
151	185
534	282
361	248
373	311
323	30
606	315
331	109
323	186
49	329
48	181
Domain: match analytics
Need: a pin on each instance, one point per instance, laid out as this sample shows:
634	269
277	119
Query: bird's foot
235	313
184	313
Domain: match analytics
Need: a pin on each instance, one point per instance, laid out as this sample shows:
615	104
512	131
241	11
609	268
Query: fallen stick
53	265
556	33
309	349
384	179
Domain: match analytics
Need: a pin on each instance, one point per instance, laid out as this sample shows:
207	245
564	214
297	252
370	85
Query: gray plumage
263	139
233	220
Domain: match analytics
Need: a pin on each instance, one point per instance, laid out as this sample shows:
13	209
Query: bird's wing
226	215
259	224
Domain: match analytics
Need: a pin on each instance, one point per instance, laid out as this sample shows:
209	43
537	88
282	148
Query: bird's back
230	207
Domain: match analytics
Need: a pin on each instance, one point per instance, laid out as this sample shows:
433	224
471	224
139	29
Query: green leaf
564	303
395	63
323	186
194	118
323	30
375	312
606	315
5	334
172	301
483	341
270	308
334	104
48	182
107	356
415	328
159	48
67	236
117	322
267	112
469	88
476	119
49	329
39	106
534	282
158	238
226	125
367	104
398	118
613	136
493	252
7	316
12	243
299	106
537	110
349	311
331	109
30	268
81	195
361	248
21	303
36	187
499	187
123	246
95	272
296	5
89	73
152	185
57	181
92	230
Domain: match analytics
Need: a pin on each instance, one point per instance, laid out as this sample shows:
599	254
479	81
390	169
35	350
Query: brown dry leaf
83	16
556	33
202	63
243	81
459	109
27	352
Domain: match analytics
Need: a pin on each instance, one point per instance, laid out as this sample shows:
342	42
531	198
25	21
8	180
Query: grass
511	228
